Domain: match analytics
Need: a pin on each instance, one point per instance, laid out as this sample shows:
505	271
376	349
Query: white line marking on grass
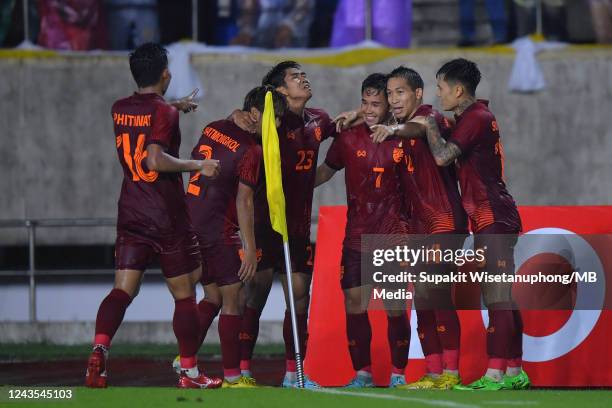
513	402
428	401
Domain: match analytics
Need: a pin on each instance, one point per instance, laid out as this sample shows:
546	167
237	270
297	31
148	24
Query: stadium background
59	159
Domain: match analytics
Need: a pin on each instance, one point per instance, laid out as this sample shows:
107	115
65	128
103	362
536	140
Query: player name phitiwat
124	119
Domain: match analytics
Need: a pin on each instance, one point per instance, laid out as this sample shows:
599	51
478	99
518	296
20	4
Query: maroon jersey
212	202
431	189
299	141
151	204
372	183
481	169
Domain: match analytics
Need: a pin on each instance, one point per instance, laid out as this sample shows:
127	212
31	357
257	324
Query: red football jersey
372	183
212	202
299	141
480	169
151	204
432	189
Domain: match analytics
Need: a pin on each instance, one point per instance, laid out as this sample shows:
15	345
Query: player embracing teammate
475	146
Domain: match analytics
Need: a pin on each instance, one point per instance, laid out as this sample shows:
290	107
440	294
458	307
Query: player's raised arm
159	160
324	174
246	223
187	103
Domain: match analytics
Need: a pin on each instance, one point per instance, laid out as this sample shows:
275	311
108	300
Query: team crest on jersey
291	135
494	126
412	142
398	153
361	153
318	133
206	151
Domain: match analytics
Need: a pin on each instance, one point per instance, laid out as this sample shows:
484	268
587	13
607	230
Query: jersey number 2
193	188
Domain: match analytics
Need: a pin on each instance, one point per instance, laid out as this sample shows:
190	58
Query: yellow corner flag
272	166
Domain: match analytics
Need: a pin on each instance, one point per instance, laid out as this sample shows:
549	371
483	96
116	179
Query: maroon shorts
350	268
271	254
177	256
220	264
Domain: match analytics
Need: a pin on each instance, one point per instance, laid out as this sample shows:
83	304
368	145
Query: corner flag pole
276	203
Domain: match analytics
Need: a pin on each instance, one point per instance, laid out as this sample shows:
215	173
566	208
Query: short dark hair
276	76
463	71
147	63
412	78
256	98
375	81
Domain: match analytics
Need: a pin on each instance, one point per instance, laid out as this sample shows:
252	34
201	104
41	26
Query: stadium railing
32	225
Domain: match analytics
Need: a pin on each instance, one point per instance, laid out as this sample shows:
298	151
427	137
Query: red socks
110	315
516	346
398	333
248	336
302	324
207	311
500	334
229	332
428	334
359	333
186	324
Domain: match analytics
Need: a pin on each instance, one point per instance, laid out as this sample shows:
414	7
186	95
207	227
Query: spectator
323	21
391	22
497	17
274	23
601	12
6	11
132	23
71	24
553	18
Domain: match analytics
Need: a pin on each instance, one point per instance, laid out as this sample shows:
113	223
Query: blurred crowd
125	24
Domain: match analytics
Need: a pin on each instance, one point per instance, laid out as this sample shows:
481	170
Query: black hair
147	63
256	98
463	71
276	76
412	78
375	81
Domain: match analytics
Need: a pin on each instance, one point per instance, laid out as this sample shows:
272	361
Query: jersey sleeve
466	134
334	155
328	128
249	166
164	125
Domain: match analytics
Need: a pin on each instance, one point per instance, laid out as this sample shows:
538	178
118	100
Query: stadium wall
58	152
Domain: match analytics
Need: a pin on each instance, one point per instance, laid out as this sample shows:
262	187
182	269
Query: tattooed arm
443	152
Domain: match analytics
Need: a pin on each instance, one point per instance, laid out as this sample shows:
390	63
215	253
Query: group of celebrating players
408	170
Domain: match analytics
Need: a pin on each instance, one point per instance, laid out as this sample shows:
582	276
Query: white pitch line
513	402
428	401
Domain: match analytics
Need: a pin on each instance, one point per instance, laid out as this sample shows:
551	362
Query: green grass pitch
154	397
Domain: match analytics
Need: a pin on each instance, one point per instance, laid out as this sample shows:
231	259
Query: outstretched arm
160	161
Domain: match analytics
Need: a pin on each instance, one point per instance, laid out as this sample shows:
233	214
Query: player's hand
187	103
248	266
344	120
243	120
210	168
381	132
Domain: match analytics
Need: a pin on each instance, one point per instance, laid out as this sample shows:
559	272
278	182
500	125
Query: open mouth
397	111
